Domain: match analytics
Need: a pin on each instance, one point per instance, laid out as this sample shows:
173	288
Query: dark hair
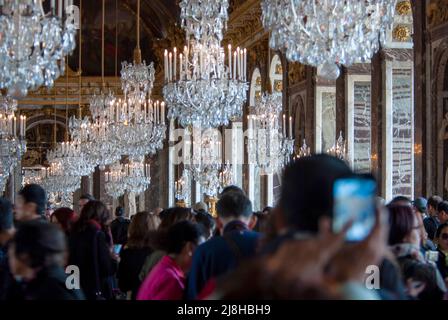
234	204
401	221
142	226
267	209
93	210
169	217
434	202
172	215
6	216
206	221
443	206
33	193
307	190
231	188
440	229
398	200
181	233
86	196
425	273
65	217
119	211
43	244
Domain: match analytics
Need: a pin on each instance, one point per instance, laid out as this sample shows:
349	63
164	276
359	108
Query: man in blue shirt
224	253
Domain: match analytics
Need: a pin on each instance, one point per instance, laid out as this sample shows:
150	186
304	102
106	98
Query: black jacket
82	254
49	284
431	224
119	229
131	262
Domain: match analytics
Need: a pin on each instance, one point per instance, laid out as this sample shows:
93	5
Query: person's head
442	237
200	207
173	215
442	211
36	245
206	221
95	211
182	239
140	229
401	201
433	204
420	205
6	220
31	203
307	191
83	199
233	206
231	188
420	280
404	226
119	211
64	218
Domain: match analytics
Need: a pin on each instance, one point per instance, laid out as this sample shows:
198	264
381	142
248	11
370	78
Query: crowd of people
286	252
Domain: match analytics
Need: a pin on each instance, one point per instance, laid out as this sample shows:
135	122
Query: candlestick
180	66
230	61
234	66
163	112
175	62
166	65
60	8
170	66
245	64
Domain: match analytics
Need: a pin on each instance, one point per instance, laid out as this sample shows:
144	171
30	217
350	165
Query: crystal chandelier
203	87
339	149
226	176
181	188
115	186
138	123
12	138
133	176
71	159
57	179
328	33
271	147
304	151
33	44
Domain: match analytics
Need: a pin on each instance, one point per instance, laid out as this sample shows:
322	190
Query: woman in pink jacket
166	281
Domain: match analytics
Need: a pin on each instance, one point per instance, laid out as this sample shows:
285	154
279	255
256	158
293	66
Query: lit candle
163	112
166	65
230	60
60	8
234	65
175	62
245	64
15	126
180	66
170	66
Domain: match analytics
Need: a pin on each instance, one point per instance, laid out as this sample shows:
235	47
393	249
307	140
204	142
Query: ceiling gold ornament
296	72
258	81
404	8
437	12
401	33
278	85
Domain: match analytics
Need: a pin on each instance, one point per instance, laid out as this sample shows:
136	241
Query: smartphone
117	248
354	199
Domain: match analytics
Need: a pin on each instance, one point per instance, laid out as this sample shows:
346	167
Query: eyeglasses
444	236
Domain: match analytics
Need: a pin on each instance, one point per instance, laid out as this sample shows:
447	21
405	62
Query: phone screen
117	248
354	199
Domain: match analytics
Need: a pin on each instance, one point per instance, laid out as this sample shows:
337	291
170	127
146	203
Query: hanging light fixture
115	186
204	86
182	189
12	138
33	44
329	33
138	123
339	149
271	147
